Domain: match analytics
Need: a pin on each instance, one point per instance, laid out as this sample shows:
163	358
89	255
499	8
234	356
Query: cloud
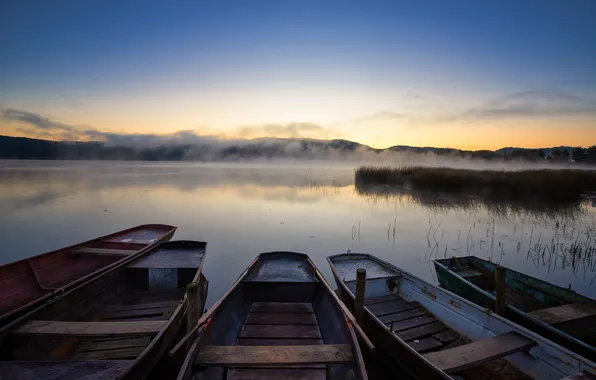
532	104
36	120
290	130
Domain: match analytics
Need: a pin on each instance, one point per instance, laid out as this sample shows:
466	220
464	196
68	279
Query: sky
462	74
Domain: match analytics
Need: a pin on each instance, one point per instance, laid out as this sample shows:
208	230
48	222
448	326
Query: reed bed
545	185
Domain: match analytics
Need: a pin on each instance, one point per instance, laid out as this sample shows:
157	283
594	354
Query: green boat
558	314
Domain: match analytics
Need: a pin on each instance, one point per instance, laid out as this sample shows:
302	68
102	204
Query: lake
245	209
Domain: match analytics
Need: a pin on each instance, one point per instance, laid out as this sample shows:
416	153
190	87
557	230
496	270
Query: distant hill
307	149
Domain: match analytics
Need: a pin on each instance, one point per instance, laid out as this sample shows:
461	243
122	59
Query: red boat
27	283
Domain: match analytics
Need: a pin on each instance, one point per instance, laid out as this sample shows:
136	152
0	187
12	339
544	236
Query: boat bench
479	352
242	356
565	313
89	329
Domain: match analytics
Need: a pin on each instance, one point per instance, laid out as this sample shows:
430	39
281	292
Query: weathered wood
422	331
359	296
128	314
62	370
390	297
276	374
192	305
280	331
390	307
113	343
281	307
565	313
141	306
88	329
500	290
278	355
447	336
281	319
116	353
105	251
400	316
476	353
425	344
412	323
588	374
277	342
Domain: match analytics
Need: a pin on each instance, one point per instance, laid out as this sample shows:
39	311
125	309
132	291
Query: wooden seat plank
89	329
276	374
277	342
422	331
476	353
105	251
31	370
140	306
280	331
402	315
281	307
138	313
389	307
565	313
281	319
95	345
278	355
116	353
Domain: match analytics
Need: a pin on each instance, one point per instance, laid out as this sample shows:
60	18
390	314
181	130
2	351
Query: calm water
244	209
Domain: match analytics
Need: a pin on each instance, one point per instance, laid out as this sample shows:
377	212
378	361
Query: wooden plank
140	306
389	307
280	331
588	374
278	355
276	374
89	329
402	315
281	319
31	370
476	353
114	343
422	331
390	297
117	353
277	342
105	251
446	336
124	314
425	344
565	313
412	323
281	307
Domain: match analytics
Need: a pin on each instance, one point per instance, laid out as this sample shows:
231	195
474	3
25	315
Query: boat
29	282
279	320
118	325
559	314
434	334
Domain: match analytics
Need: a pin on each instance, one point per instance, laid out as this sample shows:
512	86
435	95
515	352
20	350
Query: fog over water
245	209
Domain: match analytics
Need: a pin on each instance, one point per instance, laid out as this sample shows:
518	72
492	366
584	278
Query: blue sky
379	72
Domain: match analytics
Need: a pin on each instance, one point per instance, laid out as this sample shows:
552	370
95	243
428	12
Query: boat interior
556	306
278	322
102	326
25	281
407	315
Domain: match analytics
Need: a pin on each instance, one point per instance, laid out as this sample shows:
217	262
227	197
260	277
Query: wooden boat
117	325
27	283
558	314
279	320
434	333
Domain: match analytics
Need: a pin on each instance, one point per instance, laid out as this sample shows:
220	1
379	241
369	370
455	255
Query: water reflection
242	210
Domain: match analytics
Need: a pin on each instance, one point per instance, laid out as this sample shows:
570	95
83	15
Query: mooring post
359	299
192	305
500	290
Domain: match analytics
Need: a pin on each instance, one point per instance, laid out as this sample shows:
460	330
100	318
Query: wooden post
192	305
500	290
359	298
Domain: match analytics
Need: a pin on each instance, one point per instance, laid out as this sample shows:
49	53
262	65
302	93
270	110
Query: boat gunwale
523	314
515	327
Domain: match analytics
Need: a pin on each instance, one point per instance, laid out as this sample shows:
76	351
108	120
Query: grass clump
546	185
